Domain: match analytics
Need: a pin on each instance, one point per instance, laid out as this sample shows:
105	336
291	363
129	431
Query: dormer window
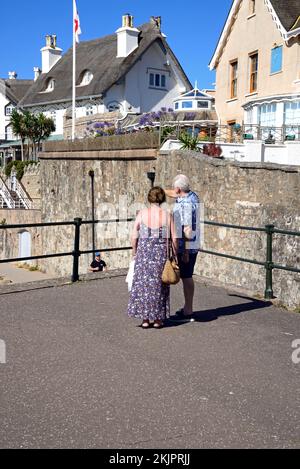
49	85
86	78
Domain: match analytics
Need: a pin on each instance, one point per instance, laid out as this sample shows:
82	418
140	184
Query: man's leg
188	290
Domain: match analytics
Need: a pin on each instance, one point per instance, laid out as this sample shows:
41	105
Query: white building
12	91
131	71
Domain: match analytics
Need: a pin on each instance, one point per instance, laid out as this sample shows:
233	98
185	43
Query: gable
284	13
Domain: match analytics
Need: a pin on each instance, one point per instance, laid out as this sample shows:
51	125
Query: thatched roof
16	89
99	56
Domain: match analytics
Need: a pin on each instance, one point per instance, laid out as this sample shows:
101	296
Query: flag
77	30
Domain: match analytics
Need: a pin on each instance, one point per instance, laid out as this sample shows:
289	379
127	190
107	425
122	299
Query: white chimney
127	37
12	75
50	54
37	72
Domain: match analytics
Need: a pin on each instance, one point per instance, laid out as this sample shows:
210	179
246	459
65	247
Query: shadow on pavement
213	314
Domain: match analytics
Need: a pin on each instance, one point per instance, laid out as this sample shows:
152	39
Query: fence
268	264
235	133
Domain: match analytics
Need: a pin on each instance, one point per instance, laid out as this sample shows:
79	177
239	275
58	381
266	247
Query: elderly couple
153	229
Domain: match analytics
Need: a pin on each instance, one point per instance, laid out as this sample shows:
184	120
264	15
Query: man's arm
171	193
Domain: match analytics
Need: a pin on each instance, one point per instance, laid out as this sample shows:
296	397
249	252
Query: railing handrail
23	196
269	229
5	193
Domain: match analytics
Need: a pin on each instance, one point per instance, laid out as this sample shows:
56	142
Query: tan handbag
171	272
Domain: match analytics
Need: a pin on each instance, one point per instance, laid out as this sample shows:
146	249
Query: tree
19	128
34	128
44	126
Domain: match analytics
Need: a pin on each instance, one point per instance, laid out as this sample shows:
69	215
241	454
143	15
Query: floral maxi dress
149	297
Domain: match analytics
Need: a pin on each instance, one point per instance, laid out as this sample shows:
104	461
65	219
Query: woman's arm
135	233
174	239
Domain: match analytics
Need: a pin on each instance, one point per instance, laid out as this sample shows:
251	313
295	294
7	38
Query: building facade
257	63
131	71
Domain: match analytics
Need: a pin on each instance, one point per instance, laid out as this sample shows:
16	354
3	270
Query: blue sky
192	29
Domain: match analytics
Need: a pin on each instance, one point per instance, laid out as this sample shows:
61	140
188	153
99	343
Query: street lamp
92	176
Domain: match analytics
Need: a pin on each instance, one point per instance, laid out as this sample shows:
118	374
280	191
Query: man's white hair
182	182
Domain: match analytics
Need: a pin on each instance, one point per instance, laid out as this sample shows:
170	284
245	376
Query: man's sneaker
180	316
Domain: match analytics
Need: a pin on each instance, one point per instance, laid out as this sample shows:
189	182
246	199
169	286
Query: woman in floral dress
149	297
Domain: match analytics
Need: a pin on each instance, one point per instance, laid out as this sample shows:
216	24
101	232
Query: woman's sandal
145	324
158	324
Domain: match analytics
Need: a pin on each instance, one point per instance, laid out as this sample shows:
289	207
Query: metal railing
268	264
5	196
24	199
236	133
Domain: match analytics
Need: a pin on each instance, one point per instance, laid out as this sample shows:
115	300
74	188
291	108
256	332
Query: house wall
4	120
249	34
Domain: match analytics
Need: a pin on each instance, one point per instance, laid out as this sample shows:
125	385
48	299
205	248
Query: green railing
268	264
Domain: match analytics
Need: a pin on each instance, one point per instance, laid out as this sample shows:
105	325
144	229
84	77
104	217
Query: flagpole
74	75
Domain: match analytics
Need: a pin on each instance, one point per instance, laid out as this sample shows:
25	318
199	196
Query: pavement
10	273
80	374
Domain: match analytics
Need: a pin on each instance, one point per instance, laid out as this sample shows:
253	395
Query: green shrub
19	166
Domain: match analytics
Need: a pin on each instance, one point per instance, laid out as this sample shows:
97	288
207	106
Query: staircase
14	197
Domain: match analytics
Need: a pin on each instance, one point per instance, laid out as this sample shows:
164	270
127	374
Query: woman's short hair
156	195
182	182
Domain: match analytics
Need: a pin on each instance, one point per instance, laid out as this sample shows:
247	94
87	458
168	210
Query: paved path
79	373
15	274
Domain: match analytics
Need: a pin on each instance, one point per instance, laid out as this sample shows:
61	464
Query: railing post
269	263
76	252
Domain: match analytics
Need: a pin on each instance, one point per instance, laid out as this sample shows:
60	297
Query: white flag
77	30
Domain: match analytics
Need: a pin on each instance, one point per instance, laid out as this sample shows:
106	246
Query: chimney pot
37	72
51	54
127	21
12	75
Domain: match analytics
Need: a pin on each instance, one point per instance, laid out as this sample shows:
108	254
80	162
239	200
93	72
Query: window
276	59
114	106
9	109
187	104
202	104
53	116
253	72
89	110
233	79
267	120
268	114
9	133
176	105
87	77
157	80
50	85
292	118
251	7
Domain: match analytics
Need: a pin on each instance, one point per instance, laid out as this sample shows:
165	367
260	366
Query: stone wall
9	238
236	193
120	180
32	183
249	194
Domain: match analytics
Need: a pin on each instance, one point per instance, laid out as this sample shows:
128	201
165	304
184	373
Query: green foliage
34	128
19	167
167	131
3	221
188	142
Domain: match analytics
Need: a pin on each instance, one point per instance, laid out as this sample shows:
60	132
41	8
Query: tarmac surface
80	374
